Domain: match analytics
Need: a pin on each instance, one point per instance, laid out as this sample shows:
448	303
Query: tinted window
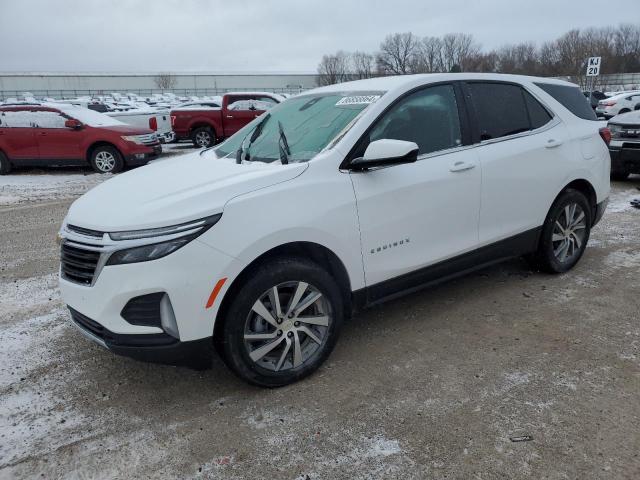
428	117
538	115
500	109
571	98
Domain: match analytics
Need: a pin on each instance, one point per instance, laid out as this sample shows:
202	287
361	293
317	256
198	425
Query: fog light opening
168	318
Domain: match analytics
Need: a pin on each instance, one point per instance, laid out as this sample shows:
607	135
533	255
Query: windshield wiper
254	136
283	145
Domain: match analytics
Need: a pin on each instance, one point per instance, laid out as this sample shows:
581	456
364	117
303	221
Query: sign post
593	70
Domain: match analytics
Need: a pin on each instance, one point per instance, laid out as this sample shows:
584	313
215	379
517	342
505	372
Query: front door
55	141
415	215
18	135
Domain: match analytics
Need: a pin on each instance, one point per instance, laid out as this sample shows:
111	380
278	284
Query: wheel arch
202	123
586	188
319	254
101	143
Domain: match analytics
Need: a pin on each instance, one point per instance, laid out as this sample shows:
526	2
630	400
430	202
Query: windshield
297	129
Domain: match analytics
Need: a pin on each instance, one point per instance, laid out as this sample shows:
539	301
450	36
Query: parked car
594	97
207	126
625	145
621	103
339	198
54	135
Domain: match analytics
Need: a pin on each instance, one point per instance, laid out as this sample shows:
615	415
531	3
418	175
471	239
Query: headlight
132	138
147	252
157	242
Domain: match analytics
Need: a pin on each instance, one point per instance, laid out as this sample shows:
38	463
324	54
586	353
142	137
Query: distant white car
158	121
621	103
336	199
625	145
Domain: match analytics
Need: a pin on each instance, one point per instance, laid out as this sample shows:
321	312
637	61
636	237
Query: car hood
169	192
629	118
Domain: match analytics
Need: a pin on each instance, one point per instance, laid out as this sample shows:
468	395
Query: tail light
608	104
153	123
173	120
605	133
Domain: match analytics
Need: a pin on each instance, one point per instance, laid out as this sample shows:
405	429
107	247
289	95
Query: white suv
339	198
621	103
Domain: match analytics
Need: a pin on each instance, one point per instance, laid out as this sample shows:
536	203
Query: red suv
46	135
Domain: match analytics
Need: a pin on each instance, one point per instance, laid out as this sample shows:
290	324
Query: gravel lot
434	385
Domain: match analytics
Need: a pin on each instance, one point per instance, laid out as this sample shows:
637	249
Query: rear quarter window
571	98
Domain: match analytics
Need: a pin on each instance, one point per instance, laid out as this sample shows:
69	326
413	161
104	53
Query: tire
5	164
551	255
203	137
106	159
289	353
619	175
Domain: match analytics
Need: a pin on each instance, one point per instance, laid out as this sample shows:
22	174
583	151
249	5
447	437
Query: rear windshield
571	98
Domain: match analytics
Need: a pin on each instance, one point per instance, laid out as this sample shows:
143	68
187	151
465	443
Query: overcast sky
261	35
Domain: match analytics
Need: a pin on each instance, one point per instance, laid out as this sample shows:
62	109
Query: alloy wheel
105	161
203	139
569	233
287	326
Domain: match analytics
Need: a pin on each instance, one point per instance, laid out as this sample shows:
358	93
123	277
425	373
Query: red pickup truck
210	125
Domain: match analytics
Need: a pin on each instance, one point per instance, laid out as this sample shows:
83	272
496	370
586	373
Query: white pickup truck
157	120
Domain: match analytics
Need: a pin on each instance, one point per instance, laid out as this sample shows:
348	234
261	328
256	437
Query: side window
427	117
538	115
239	103
18	119
571	98
44	119
500	109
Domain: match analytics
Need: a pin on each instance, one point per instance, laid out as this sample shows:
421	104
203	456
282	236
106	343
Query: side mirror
73	124
386	152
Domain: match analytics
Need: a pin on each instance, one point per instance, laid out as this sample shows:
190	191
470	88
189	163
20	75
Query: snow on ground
29	186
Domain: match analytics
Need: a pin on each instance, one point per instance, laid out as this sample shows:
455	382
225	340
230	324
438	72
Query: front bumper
625	156
187	277
144	156
160	348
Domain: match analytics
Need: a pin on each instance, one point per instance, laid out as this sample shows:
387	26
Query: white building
49	84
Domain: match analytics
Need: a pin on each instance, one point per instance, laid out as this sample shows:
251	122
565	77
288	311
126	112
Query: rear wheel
5	164
106	159
282	324
203	137
565	233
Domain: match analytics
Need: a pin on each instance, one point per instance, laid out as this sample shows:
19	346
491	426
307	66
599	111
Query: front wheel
106	159
282	324
565	233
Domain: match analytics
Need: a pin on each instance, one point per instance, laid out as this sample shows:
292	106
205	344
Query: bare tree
397	54
362	64
521	58
456	49
165	81
333	68
428	58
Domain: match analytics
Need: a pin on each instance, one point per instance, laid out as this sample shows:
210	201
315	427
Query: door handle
42	133
553	143
461	166
229	116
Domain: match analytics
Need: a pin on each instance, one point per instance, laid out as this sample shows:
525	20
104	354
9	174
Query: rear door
17	134
522	149
55	141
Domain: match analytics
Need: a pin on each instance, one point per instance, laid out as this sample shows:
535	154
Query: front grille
148	139
85	231
78	265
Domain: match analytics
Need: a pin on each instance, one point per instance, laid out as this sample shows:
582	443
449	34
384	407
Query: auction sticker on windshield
358	100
